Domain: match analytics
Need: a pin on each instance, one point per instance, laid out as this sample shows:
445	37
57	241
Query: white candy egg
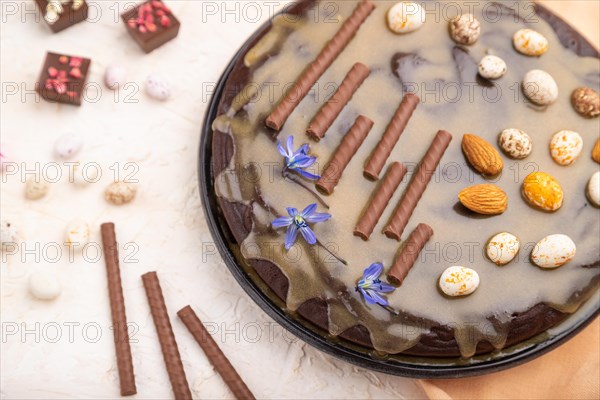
530	42
78	233
492	67
593	189
540	87
68	145
565	147
405	17
503	248
459	281
115	76
553	251
44	285
158	87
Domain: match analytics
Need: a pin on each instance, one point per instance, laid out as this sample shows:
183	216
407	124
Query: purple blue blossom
371	287
298	222
297	160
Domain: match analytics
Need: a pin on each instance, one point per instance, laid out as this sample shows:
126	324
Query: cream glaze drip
459	238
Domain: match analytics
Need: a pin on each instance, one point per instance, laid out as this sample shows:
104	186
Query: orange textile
570	372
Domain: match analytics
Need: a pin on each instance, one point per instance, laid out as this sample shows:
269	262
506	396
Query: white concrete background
64	348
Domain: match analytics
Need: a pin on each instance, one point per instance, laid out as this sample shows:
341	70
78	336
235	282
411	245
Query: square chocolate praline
69	16
68	83
150	40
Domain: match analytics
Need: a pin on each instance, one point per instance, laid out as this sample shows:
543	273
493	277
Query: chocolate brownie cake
411	177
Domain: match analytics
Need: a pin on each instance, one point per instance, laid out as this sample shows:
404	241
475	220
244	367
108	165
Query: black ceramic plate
408	366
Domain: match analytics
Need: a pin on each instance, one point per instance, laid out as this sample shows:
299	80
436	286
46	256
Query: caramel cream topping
427	62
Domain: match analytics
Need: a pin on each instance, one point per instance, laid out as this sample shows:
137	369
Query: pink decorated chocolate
391	135
380	200
332	108
314	71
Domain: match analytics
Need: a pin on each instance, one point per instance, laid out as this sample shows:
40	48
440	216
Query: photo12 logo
77	172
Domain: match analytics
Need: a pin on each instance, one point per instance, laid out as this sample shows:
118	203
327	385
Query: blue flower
371	286
298	160
299	222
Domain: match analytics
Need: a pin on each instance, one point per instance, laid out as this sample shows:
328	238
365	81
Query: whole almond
481	155
486	199
596	152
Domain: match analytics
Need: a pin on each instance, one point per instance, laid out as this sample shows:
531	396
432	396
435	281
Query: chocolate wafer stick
332	108
214	354
166	337
391	135
382	196
409	253
344	153
417	185
313	72
117	310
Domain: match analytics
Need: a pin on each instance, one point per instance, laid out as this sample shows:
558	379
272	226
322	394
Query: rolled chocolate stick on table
214	354
417	185
332	108
380	200
391	136
168	344
315	70
117	310
409	253
344	153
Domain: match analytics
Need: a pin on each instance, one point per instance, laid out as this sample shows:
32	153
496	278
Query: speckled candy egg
540	87
68	145
119	193
553	251
158	87
465	29
459	281
35	189
78	233
405	17
515	143
565	147
8	233
586	101
503	248
542	191
492	67
44	285
530	42
115	76
593	189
